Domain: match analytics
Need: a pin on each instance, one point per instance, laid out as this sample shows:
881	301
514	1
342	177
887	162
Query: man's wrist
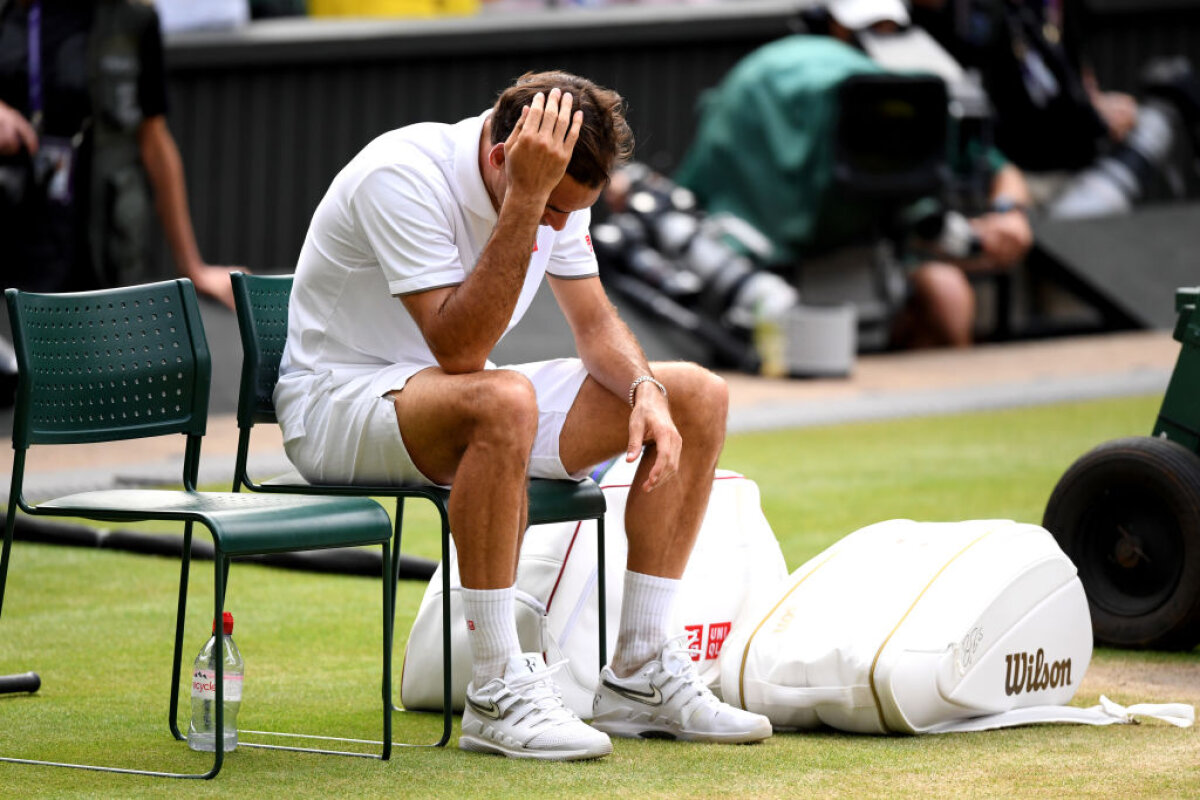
1003	203
638	381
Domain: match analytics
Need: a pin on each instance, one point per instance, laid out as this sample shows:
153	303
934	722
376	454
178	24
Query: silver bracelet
638	381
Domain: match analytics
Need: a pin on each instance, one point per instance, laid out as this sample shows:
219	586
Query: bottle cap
226	623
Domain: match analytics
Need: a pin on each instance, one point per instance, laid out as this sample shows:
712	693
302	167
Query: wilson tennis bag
909	627
735	560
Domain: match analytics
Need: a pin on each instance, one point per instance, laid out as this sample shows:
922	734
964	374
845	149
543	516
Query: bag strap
1181	715
33	27
847	697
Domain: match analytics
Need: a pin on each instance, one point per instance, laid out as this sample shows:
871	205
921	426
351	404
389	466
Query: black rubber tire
1127	513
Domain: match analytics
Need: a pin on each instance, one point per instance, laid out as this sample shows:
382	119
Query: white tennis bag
908	627
736	558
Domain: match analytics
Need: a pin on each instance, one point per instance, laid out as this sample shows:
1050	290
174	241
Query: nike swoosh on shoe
652	698
490	711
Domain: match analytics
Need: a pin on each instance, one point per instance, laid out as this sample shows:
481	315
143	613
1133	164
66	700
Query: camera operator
811	224
1091	152
83	138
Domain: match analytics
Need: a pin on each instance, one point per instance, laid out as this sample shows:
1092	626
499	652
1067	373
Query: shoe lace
678	664
540	692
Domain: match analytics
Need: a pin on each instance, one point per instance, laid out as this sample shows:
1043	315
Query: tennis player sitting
430	245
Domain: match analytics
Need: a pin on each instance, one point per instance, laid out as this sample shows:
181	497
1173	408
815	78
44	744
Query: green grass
97	626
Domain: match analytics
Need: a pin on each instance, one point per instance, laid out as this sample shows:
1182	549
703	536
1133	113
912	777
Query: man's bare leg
941	311
651	688
476	432
662	524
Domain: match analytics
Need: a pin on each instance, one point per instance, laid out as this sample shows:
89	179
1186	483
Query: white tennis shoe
522	715
667	699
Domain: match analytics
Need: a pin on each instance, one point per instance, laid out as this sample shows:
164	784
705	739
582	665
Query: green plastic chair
131	363
262	310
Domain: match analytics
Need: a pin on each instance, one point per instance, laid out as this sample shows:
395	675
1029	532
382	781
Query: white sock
645	619
491	630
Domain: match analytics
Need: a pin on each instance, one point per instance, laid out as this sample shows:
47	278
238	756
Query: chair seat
294	481
242	524
549	500
564	501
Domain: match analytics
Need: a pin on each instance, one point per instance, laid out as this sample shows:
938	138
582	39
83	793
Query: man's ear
496	156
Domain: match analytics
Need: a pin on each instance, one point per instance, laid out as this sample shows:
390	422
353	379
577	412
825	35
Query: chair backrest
262	312
108	365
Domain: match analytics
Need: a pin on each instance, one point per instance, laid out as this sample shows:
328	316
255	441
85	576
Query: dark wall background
265	116
1126	33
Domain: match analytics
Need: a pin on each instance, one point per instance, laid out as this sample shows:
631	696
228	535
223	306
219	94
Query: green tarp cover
764	147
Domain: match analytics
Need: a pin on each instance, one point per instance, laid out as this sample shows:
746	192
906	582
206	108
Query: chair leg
398	529
212	772
447	658
602	592
388	638
10	520
389	625
10	524
180	614
397	532
447	710
220	573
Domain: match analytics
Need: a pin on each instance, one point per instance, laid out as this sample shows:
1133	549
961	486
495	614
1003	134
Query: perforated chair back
262	311
128	363
112	365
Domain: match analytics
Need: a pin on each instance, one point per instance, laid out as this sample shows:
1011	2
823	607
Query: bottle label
204	686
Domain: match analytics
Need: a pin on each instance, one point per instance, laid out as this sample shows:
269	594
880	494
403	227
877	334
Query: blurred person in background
85	150
742	125
1088	151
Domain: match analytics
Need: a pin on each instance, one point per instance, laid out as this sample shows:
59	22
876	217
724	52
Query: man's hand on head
539	148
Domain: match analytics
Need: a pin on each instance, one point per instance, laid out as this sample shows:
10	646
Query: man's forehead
571	195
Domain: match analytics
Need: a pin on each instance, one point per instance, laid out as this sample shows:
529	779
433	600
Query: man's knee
502	407
714	393
699	398
947	302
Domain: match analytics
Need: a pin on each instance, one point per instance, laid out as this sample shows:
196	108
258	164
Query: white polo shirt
409	213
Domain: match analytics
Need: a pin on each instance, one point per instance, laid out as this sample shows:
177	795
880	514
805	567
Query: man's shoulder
421	141
424	148
390	156
438	139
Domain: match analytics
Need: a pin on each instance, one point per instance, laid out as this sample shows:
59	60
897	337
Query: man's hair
605	140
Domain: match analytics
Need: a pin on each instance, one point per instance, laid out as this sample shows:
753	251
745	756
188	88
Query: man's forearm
472	316
463	324
613	357
1009	183
160	156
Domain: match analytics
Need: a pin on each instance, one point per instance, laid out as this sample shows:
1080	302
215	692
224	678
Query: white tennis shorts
354	438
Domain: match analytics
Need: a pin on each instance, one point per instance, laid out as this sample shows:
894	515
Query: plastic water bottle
203	730
771	298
